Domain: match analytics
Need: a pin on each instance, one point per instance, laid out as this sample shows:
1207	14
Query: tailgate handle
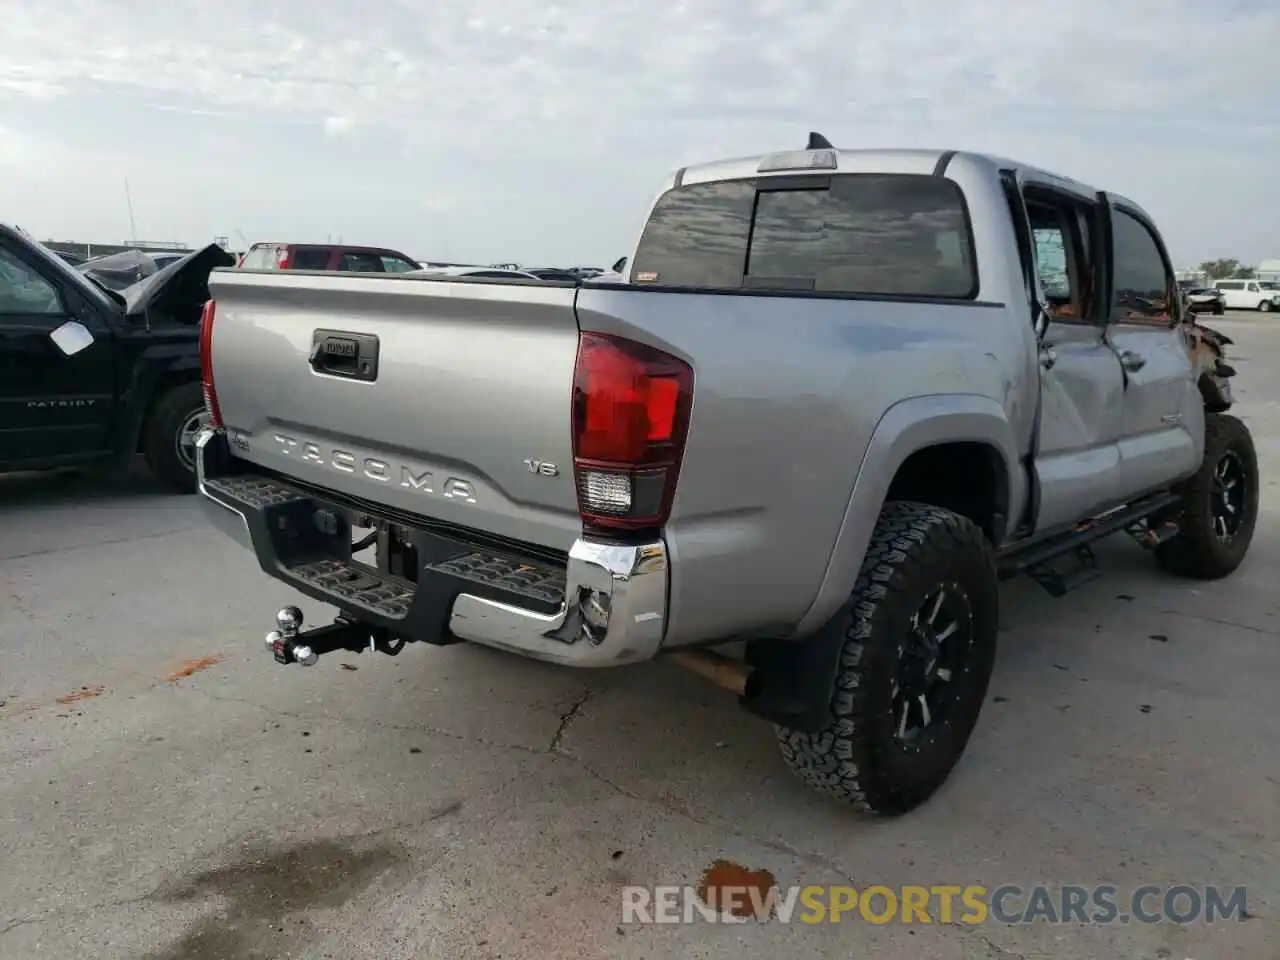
339	353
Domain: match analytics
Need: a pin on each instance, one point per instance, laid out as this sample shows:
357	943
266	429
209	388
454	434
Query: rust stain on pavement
84	693
191	667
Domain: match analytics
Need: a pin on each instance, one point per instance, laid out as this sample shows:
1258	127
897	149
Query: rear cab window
870	234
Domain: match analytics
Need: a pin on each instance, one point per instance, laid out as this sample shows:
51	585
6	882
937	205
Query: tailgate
447	399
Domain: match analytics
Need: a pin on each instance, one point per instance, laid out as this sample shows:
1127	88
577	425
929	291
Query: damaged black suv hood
180	289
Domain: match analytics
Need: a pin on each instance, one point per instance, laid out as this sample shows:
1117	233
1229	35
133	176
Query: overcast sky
493	130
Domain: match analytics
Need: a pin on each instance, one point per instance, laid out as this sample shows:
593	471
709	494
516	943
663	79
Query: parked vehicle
833	407
89	375
554	274
1206	300
1261	295
326	256
116	271
491	273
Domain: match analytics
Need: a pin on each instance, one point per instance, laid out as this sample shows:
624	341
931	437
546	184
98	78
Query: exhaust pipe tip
724	672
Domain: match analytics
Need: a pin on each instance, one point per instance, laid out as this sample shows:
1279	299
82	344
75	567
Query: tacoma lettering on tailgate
379	471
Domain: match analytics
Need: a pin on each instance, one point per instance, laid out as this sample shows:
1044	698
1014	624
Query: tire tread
839	761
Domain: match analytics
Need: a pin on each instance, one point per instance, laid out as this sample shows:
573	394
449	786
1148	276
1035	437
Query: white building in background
1269	270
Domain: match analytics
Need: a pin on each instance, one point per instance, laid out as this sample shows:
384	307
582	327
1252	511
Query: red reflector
206	365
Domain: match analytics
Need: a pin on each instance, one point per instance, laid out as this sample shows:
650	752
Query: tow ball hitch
288	643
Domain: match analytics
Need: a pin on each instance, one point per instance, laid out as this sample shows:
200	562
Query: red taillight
631	407
206	365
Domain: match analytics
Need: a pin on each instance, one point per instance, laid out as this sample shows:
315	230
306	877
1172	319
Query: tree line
1227	269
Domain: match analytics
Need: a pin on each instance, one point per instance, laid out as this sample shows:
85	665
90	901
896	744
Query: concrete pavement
170	793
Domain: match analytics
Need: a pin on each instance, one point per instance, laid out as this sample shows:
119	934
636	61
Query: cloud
338	126
520	104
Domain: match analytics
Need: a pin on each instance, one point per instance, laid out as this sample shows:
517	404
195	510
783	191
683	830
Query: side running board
1066	561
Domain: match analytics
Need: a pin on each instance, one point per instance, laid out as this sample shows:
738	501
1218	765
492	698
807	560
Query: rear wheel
169	443
1219	508
919	644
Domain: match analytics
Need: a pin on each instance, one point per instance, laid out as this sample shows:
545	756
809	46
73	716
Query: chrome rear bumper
613	610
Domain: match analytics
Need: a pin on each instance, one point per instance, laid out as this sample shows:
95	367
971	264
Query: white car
1261	295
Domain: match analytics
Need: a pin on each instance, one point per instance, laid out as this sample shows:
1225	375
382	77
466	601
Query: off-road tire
1265	306
1197	551
857	759
160	437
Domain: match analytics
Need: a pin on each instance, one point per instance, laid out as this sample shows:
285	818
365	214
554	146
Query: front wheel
919	645
1265	306
169	443
1219	507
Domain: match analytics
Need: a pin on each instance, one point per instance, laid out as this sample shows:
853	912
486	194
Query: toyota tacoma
837	397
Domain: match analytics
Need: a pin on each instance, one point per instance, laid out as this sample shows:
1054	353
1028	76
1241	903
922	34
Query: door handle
1048	358
1132	361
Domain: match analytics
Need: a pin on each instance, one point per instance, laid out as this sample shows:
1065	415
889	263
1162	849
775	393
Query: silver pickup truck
836	398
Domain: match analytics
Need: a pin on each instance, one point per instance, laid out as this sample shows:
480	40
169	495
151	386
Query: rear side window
309	258
361	263
873	234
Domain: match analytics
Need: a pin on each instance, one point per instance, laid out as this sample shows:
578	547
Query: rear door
1076	454
1163	410
57	384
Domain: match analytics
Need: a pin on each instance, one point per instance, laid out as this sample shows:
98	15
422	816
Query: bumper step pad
382	593
358	584
257	492
543	584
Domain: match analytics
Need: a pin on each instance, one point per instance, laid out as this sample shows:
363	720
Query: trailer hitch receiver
288	643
